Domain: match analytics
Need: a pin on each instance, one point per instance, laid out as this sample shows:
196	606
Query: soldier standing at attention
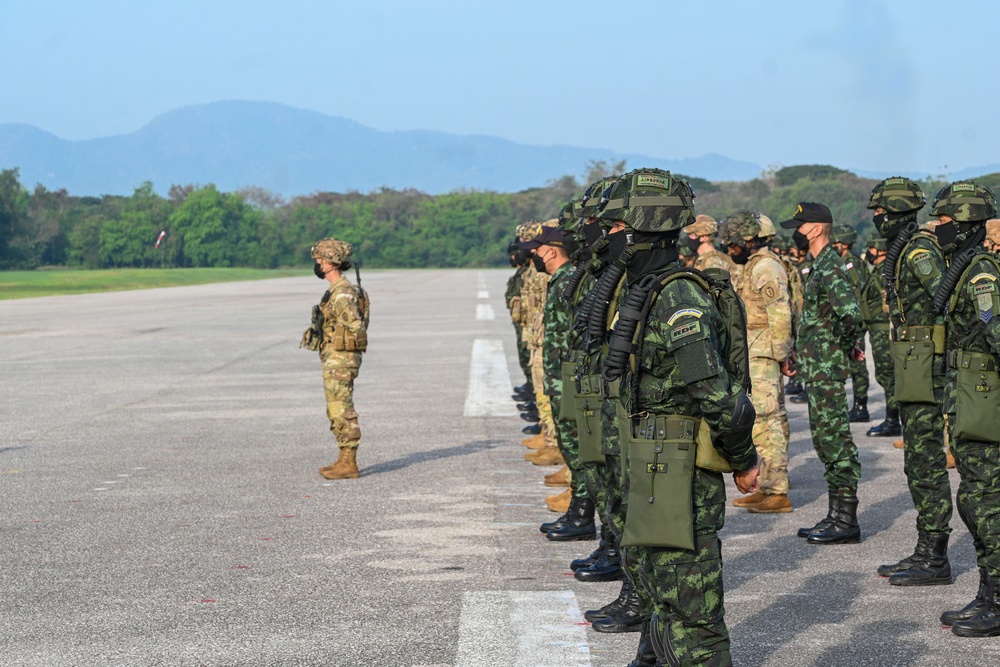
843	238
763	286
969	295
827	333
700	237
340	334
875	311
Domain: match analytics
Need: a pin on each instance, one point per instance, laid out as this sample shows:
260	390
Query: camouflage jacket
574	342
558	320
342	315
713	259
532	305
872	298
831	320
514	286
763	286
919	271
681	370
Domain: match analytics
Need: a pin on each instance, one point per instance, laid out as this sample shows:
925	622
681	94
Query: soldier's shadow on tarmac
417	458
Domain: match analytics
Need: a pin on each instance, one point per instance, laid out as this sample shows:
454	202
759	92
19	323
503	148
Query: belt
666	427
976	361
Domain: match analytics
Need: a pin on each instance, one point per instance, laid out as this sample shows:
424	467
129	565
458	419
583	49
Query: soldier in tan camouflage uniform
992	242
340	334
699	236
763	286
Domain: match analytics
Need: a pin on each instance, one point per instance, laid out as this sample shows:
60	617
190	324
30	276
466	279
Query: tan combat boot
546	456
898	444
744	501
949	458
558	478
776	503
346	467
559	503
535	441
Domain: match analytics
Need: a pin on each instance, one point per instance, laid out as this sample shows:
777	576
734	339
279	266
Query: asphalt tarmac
161	503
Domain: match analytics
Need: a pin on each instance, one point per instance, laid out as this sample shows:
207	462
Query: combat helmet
876	241
332	250
965	201
844	234
648	200
591	199
745	225
900	198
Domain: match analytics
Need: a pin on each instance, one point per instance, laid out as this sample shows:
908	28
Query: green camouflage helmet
743	225
334	251
965	201
844	234
568	220
897	195
591	199
648	200
876	241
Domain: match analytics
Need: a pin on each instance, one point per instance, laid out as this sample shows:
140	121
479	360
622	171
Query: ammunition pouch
587	410
515	309
311	339
661	452
935	334
978	402
345	340
913	362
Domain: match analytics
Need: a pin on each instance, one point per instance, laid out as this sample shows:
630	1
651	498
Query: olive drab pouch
587	407
913	364
707	456
661	456
977	413
567	406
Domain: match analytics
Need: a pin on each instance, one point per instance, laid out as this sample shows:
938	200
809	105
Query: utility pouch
587	410
515	308
310	339
913	365
661	456
978	405
708	457
567	409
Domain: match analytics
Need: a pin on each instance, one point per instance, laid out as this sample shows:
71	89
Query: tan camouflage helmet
743	225
703	225
334	251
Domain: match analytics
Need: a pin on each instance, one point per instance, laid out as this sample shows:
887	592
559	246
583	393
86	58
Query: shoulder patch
983	287
922	263
684	312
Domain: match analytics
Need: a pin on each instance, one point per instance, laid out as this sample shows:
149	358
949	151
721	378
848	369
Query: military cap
808	212
334	251
547	236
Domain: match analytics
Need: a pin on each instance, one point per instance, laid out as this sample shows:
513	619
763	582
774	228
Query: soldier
340	335
686	256
875	312
992	242
763	286
826	339
912	274
842	239
969	295
799	262
677	376
700	237
518	260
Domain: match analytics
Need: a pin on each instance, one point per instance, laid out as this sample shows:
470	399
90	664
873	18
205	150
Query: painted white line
482	294
484	311
521	629
480	280
489	381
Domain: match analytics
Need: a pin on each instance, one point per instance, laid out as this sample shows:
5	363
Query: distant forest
389	228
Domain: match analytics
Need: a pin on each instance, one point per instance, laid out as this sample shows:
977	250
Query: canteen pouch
913	364
661	473
978	403
587	408
707	456
567	409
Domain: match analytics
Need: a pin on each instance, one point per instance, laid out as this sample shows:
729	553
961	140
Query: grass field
24	284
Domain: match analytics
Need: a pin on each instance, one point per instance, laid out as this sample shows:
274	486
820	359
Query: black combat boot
793	387
531	416
627	618
524	392
580	523
889	427
905	564
607	568
556	524
823	523
612	607
859	411
949	618
532	429
595	555
987	622
528	406
645	656
801	397
929	564
844	528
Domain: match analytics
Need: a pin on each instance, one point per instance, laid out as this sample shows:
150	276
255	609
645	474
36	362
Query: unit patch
652	180
684	312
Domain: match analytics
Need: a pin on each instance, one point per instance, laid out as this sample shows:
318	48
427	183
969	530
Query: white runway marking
484	311
482	294
521	629
489	381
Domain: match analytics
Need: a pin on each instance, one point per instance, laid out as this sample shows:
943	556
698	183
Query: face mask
881	222
319	271
616	245
692	243
538	262
801	241
513	260
740	257
870	257
947	236
592	232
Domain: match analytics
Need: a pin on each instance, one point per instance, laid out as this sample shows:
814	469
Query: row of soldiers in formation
656	364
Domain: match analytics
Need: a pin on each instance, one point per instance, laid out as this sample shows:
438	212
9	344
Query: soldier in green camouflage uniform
512	297
842	239
875	311
970	296
801	261
340	335
679	371
827	333
912	274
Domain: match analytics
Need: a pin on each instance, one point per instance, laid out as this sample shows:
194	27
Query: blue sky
863	84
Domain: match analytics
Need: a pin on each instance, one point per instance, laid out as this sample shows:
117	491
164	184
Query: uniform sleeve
845	308
771	282
984	292
347	310
927	266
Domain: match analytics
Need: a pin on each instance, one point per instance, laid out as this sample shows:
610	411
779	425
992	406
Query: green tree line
388	228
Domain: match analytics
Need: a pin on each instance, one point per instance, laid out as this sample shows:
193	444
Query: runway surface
161	505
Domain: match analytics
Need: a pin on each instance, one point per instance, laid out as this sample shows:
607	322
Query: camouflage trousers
878	335
859	379
924	465
338	385
542	404
569	443
831	436
770	429
978	497
523	352
685	587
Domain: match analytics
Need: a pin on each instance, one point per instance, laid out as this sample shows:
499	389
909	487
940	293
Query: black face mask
947	236
742	257
881	222
591	232
801	241
691	242
538	263
870	257
616	245
319	271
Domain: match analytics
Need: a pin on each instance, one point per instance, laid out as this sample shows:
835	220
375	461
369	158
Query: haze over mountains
295	152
